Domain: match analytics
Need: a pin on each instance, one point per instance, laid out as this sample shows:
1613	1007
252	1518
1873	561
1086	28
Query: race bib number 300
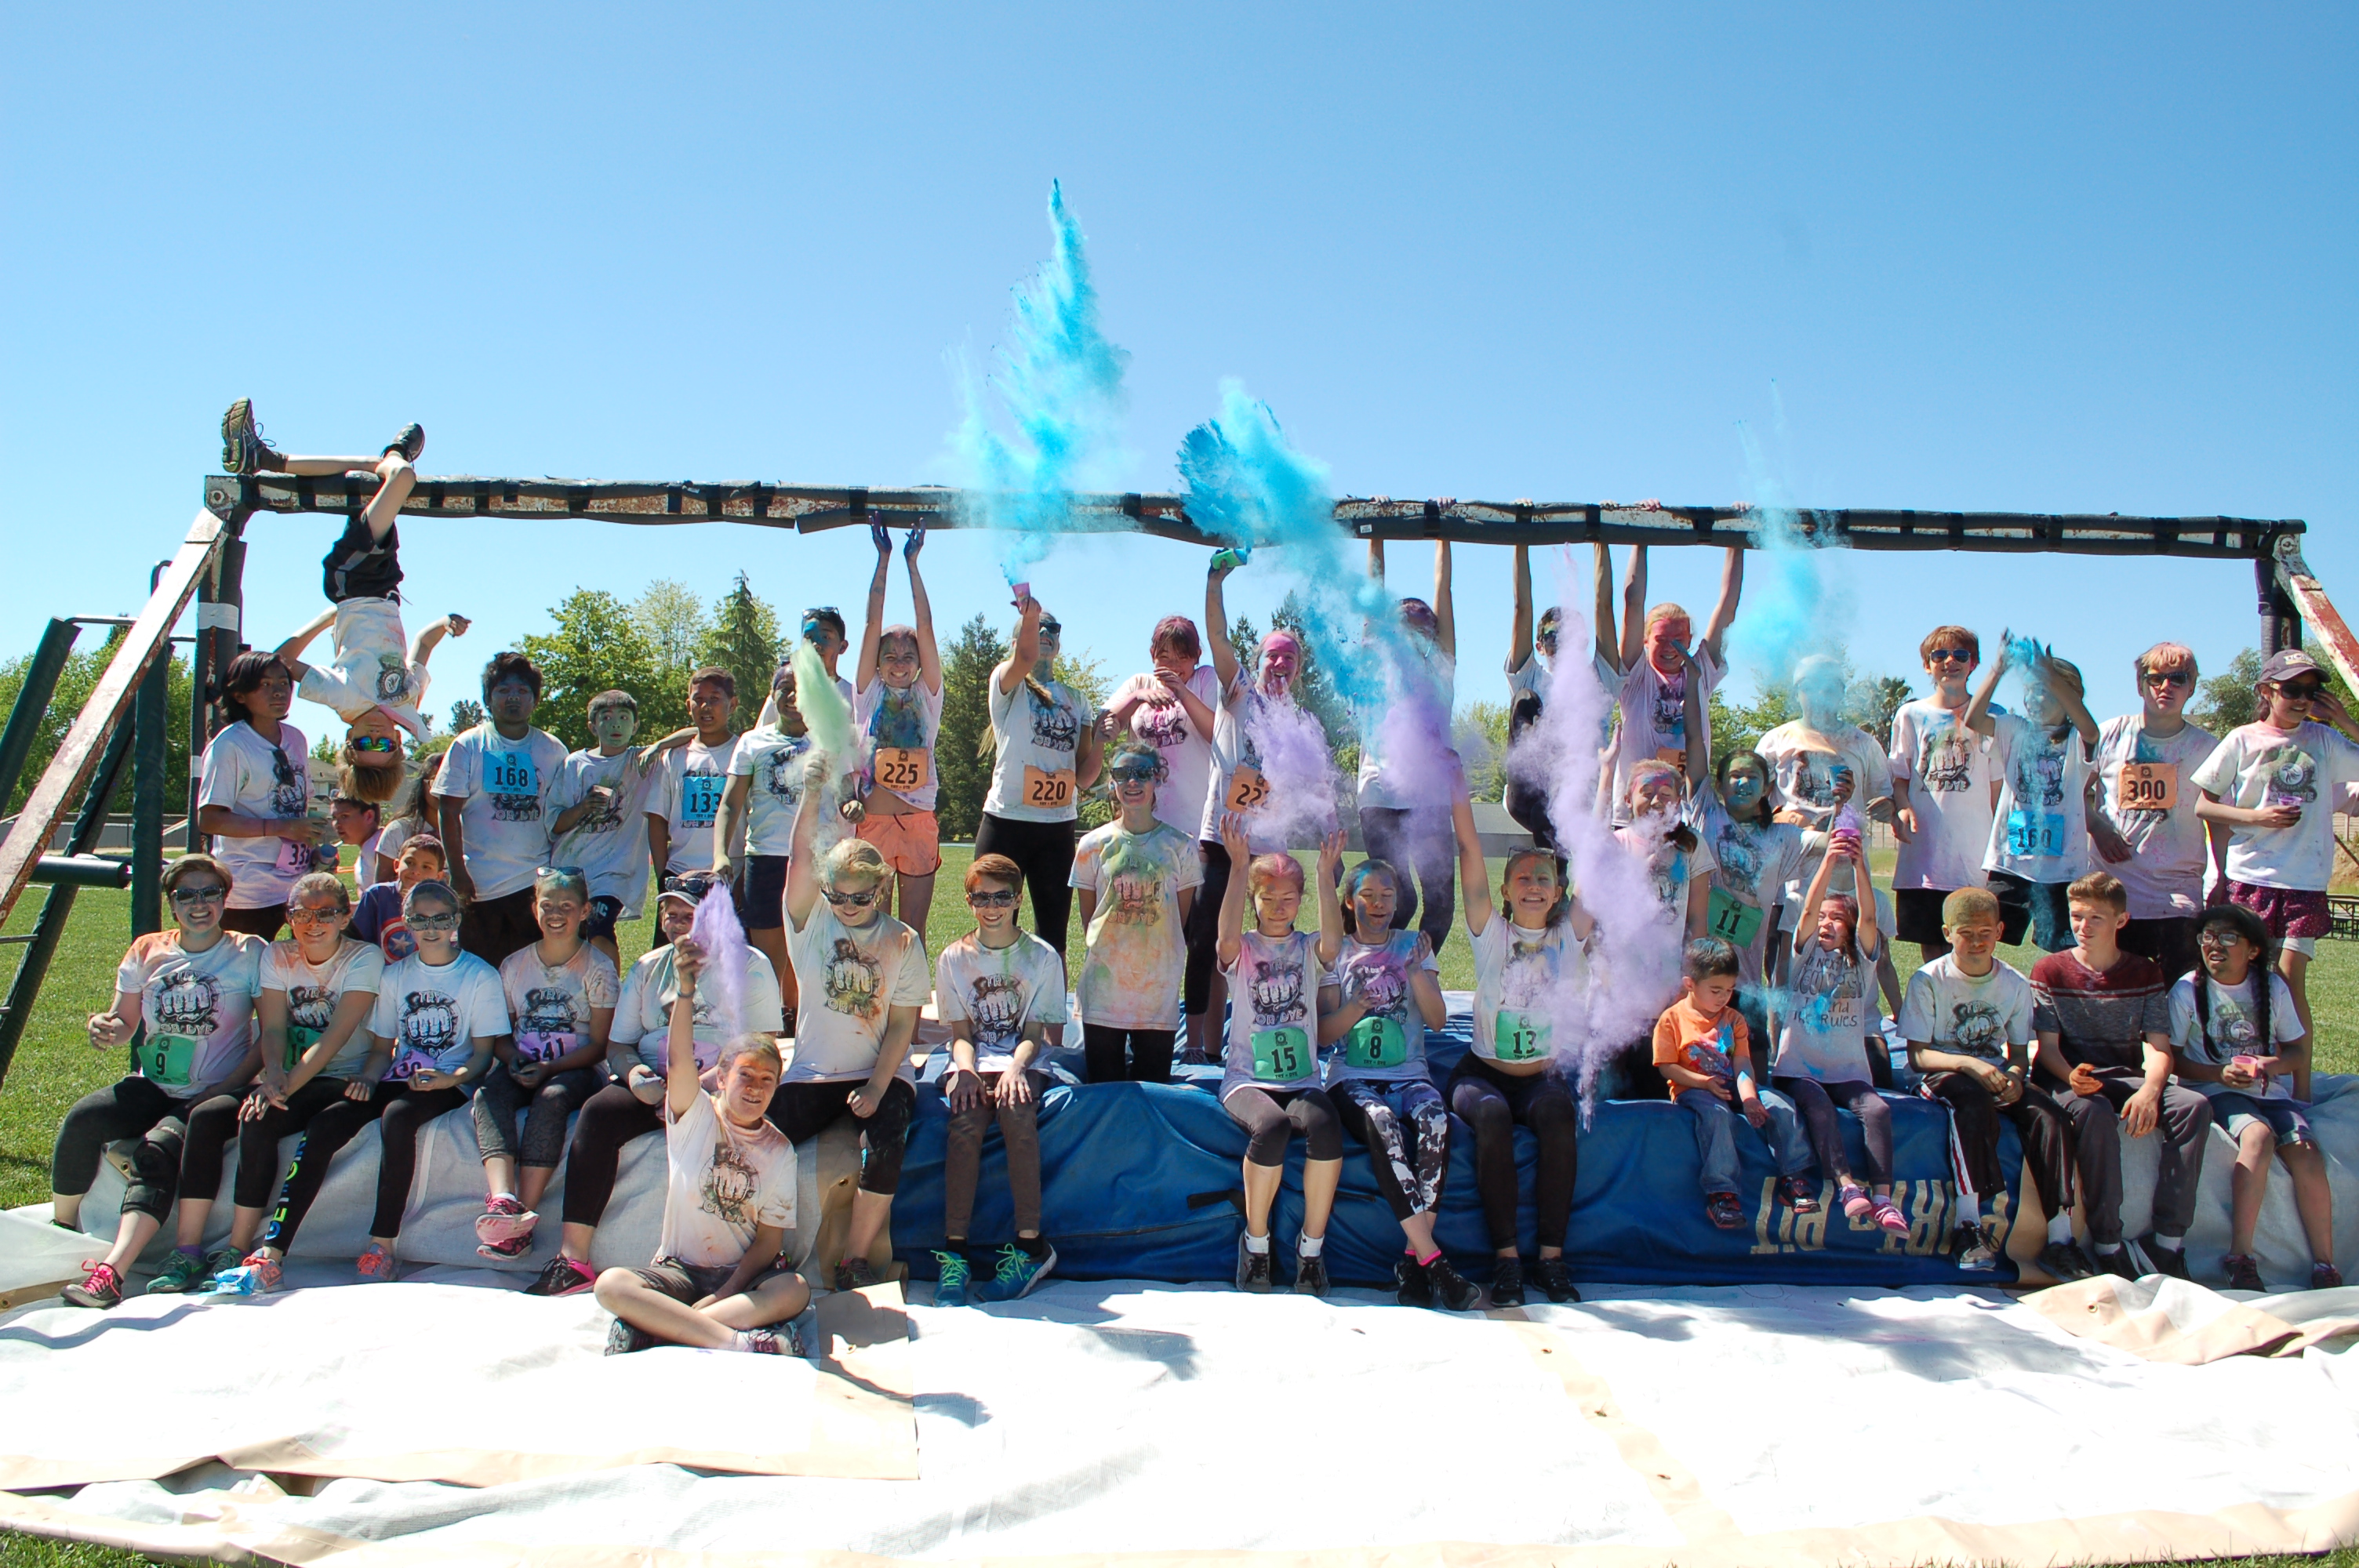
1281	1055
2035	833
2147	786
901	768
1047	792
1518	1036
700	799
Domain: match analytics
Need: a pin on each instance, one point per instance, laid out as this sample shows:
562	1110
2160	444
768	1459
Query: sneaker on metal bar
2244	1273
1451	1290
1254	1271
953	1273
375	1266
1310	1274
183	1272
2325	1277
564	1277
2170	1260
1555	1279
621	1338
101	1288
1019	1273
410	443
1507	1282
1412	1282
854	1272
243	448
257	1276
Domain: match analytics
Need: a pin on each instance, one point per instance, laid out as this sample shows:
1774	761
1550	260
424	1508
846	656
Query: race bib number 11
1733	920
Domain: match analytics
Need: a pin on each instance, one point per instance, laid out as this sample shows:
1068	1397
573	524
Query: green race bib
1282	1055
1376	1042
167	1058
299	1039
1732	920
1517	1036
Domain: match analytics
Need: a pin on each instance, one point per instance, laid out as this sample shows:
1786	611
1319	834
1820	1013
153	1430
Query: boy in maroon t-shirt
2104	1021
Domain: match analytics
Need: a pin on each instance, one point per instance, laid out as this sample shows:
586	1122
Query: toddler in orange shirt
1705	1054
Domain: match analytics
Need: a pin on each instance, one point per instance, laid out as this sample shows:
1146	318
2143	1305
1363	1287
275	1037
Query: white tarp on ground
1705	1425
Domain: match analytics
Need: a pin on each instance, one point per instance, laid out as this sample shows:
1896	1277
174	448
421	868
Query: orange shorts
911	843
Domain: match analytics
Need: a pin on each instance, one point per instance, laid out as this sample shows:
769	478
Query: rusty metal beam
813	509
68	771
2293	574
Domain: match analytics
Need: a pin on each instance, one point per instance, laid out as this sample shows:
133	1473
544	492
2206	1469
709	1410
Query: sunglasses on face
851	900
1134	775
371	743
1950	655
184	898
432	923
2171	677
313	916
2306	691
998	899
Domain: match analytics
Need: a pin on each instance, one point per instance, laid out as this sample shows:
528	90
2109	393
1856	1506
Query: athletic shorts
690	1283
2287	1119
765	892
1916	915
605	910
2039	909
911	843
2297	917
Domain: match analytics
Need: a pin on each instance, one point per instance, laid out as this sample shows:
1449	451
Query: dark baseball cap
2289	663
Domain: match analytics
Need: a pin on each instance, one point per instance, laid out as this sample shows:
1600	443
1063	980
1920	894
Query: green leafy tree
1478	732
599	645
2224	701
672	619
75	682
965	774
742	638
465	714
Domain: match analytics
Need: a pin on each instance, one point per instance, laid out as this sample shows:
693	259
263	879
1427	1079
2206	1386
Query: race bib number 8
1376	1042
901	768
2147	786
510	773
1281	1055
299	1039
167	1058
1733	920
1047	792
1247	788
1517	1036
2031	833
700	799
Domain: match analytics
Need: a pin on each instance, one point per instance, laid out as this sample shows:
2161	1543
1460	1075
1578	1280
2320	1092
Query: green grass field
55	1065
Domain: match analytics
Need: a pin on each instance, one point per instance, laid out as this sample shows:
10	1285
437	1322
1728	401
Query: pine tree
965	777
744	640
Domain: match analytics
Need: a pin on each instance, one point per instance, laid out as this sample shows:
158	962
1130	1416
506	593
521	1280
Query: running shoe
950	1288
183	1273
506	1251
2063	1260
1412	1282
854	1272
410	443
1450	1290
1254	1271
1724	1211
1887	1214
257	1276
375	1266
564	1277
1801	1194
1555	1279
2170	1260
2117	1262
1019	1273
2245	1274
1856	1204
621	1338
243	448
2325	1277
505	1227
778	1340
1971	1243
101	1288
1507	1282
1310	1274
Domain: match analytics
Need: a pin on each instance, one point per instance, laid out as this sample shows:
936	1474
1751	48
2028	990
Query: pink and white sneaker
375	1266
504	1228
1887	1214
1856	1204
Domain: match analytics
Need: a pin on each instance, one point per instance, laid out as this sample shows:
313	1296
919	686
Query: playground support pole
33	697
221	599
2280	616
151	750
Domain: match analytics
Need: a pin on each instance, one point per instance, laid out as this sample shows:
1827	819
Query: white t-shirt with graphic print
996	991
253	778
507	786
1187	756
609	842
197	1007
688	798
1653	716
2041	830
2259	764
2234	1030
2169	850
1968	1015
313	994
771	762
551	1004
432	1014
1273	1014
1037	742
371	667
848	981
1952	773
904	721
1135	954
1530	977
721	1180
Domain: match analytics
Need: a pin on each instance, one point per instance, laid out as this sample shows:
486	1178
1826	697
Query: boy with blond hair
2149	832
1944	783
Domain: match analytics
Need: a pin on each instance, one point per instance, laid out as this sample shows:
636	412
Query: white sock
1257	1244
1309	1246
2060	1228
2170	1243
1970	1210
2107	1249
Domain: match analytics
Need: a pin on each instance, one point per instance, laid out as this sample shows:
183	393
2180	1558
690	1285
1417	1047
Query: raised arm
290	652
1634	611
1216	627
1473	886
1026	652
802	868
1232	898
680	1086
421	647
864	669
1723	613
1445	614
1519	621
1602	613
921	613
1977	717
1331	907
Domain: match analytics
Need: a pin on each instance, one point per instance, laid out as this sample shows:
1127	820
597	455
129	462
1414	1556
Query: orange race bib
1247	788
2147	786
1675	755
903	768
1047	792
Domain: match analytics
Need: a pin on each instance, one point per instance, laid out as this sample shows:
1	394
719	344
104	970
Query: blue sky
1991	257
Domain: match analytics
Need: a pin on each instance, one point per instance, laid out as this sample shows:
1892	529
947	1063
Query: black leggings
545	1109
1203	930
804	1111
257	1140
403	1110
1110	1055
179	1149
1818	1103
1272	1117
1045	851
1492	1102
1418	845
1408	1148
610	1118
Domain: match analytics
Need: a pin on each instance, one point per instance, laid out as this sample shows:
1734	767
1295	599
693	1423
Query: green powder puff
822	706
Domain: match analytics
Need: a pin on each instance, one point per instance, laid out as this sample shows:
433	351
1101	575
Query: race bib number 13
1518	1036
1047	792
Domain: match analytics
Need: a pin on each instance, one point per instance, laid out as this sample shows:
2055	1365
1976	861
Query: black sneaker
243	448
1507	1282
1412	1284
2325	1277
1452	1292
854	1272
2170	1260
410	443
1254	1272
1555	1281
621	1338
1310	1274
2064	1260
2118	1263
564	1277
2244	1274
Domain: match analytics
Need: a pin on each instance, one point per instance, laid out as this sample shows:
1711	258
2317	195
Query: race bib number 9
299	1039
2147	786
2034	833
1733	920
510	773
1517	1036
167	1058
1247	788
700	799
1281	1055
1376	1042
903	768
1047	792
